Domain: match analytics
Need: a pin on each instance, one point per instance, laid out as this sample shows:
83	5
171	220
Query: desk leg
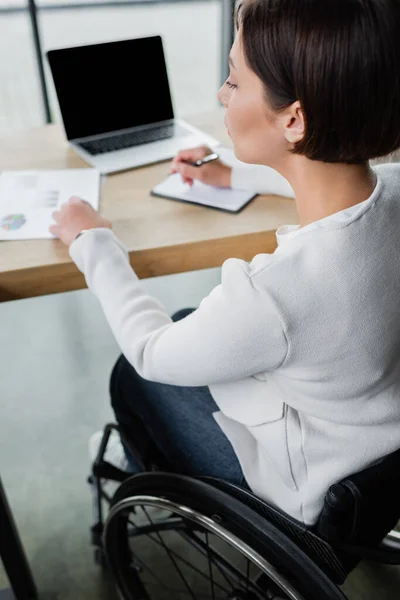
13	556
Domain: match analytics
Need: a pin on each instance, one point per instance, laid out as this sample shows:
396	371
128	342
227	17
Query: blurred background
192	33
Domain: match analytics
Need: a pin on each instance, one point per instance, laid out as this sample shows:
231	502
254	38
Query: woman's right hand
214	173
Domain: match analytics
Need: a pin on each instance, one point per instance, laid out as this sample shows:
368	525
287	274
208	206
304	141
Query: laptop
116	105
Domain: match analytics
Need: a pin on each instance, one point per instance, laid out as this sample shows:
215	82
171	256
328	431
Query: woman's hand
73	217
215	173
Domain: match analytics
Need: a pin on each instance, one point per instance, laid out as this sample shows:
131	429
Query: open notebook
206	195
221	198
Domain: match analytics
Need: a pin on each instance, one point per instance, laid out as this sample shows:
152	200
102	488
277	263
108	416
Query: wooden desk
162	236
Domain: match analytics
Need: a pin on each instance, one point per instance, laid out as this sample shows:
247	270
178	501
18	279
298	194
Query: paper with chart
28	199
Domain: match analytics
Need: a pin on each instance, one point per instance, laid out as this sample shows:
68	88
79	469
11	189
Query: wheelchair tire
198	504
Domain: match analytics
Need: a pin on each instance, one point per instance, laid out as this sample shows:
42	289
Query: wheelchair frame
330	561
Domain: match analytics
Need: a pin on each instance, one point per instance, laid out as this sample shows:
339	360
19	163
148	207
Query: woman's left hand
73	217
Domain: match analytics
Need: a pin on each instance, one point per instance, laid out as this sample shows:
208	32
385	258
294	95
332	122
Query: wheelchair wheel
207	546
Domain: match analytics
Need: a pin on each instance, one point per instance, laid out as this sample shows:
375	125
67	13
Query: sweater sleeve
235	333
260	179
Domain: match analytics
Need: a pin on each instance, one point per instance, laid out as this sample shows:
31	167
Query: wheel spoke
172	559
221	563
210	568
159	583
185	562
145	566
180	592
247	575
194	540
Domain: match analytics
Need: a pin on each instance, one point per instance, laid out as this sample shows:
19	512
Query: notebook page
222	198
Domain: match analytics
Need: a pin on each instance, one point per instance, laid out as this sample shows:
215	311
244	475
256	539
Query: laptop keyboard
128	140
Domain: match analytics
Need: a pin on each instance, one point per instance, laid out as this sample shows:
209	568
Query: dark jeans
172	426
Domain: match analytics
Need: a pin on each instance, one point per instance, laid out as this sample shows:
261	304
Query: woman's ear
294	123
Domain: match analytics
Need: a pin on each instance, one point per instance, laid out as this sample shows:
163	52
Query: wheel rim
214	576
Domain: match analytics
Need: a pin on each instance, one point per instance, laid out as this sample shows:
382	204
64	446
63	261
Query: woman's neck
322	189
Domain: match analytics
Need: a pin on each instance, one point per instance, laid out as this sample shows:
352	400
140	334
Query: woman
296	355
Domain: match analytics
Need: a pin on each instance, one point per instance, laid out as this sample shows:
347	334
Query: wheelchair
169	536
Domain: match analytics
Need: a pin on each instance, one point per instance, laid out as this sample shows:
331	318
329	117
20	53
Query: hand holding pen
202	164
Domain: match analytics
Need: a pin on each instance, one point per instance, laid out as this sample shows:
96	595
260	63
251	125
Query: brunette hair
341	60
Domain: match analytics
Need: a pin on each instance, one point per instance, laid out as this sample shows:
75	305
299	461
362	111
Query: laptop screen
107	87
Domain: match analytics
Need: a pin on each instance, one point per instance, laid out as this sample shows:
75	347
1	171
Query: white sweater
300	348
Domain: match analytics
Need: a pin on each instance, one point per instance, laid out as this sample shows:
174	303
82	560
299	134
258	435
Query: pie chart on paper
13	222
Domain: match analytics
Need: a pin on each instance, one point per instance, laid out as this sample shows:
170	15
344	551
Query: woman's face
257	132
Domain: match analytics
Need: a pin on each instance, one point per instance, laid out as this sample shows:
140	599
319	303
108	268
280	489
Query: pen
205	160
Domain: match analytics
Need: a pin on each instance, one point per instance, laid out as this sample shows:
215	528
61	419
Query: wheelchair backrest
364	507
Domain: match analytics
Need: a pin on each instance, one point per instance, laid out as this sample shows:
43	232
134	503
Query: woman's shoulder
389	172
389	175
249	269
260	273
